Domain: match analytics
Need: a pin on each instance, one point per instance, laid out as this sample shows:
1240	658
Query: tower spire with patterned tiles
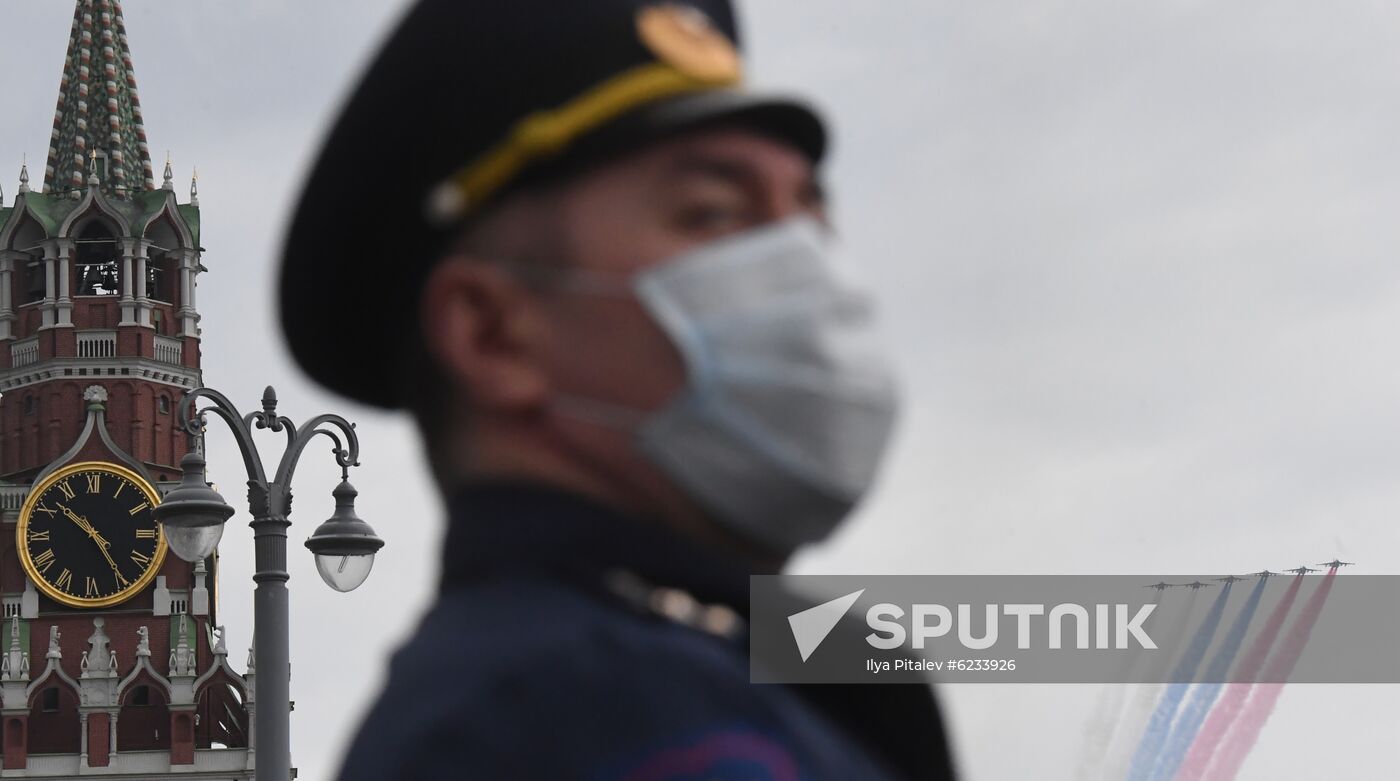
98	108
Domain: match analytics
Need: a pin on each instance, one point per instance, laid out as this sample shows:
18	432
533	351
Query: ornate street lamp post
194	514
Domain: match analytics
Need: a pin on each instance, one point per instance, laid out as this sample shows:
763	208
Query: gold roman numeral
144	534
44	560
68	492
138	508
91	588
94	483
41	508
65	579
118	492
38	536
140	558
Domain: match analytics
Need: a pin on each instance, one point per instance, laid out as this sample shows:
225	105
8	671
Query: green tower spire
98	109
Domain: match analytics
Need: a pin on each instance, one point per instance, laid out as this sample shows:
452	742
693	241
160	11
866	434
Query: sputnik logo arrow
811	626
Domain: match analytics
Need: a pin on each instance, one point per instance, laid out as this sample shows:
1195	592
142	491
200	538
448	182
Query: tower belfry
112	655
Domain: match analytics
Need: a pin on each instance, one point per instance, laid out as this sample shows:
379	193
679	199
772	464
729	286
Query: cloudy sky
1138	261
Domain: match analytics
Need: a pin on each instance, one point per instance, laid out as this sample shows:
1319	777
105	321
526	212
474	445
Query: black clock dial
89	537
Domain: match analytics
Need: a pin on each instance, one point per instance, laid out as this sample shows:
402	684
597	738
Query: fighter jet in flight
1335	563
1301	570
1263	574
1229	579
1195	585
1162	585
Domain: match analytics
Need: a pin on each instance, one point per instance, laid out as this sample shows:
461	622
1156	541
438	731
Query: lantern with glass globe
193	514
344	545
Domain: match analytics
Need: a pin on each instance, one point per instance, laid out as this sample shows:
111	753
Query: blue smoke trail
1203	695
1156	734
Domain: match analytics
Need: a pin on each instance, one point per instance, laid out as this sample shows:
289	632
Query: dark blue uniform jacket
530	666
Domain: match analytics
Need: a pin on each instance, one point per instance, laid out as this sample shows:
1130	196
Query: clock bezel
22	527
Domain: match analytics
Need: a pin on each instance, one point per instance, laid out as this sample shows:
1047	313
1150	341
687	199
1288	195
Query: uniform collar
515	527
510	526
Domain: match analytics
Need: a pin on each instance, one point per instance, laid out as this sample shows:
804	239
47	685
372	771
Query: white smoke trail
1126	708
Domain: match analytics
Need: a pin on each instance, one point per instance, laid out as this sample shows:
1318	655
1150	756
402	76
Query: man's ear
484	332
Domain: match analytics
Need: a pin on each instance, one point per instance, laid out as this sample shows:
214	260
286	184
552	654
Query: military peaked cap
467	99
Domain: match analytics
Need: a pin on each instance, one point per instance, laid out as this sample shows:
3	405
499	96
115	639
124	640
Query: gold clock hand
82	522
120	579
108	556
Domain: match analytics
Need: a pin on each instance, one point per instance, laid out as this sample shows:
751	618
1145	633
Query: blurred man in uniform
599	276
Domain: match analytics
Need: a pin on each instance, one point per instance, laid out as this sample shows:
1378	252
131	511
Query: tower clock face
87	537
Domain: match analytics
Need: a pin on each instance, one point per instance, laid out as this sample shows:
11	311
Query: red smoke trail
1232	699
1265	696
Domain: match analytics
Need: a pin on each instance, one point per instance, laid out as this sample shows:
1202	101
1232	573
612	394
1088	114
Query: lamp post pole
269	502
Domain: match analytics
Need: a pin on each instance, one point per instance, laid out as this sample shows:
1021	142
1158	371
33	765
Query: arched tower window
160	277
27	281
34	287
144	720
221	719
98	263
29	404
54	725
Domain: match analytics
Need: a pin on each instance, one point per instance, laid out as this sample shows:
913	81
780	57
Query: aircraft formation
1197	585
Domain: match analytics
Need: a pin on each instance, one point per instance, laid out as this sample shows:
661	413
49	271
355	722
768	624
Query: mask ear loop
580	281
592	282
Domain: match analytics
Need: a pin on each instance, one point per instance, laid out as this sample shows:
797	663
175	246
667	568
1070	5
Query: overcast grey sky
1138	261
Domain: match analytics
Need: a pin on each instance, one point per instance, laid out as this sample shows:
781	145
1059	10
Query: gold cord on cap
546	133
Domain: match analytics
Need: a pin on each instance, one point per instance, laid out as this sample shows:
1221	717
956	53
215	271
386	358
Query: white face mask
788	402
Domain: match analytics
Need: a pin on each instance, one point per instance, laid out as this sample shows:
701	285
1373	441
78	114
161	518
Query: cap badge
683	37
